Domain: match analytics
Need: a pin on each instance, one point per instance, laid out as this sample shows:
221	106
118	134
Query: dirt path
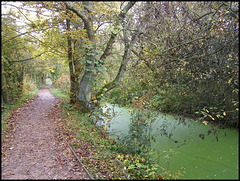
34	148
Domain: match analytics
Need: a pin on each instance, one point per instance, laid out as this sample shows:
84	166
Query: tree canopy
177	57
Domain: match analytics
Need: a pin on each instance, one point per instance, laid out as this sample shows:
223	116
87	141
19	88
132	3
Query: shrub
63	83
28	85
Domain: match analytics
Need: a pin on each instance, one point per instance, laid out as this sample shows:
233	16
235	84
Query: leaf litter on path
33	147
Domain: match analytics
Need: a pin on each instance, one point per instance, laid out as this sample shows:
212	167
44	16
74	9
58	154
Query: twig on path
89	175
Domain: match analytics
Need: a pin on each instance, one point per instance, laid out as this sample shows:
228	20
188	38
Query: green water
202	159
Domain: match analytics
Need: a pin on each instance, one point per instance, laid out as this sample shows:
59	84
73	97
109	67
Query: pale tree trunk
85	87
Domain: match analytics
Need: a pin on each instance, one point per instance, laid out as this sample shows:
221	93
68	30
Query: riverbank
194	117
185	148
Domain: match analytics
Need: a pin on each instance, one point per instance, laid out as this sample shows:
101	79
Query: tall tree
86	84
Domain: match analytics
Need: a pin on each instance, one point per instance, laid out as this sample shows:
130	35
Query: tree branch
29	58
185	43
122	69
70	6
84	16
85	19
113	35
24	34
101	25
21	13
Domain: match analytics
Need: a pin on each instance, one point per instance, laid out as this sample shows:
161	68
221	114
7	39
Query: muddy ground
34	148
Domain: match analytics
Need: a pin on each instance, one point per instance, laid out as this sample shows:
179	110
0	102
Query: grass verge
61	95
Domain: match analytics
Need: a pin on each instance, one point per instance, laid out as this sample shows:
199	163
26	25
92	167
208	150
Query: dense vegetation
188	65
174	57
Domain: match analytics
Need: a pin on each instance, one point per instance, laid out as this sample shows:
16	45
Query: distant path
34	149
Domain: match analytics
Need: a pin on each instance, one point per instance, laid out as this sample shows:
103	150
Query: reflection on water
207	158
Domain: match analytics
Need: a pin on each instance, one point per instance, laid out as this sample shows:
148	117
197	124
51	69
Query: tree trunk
73	94
85	89
43	78
5	94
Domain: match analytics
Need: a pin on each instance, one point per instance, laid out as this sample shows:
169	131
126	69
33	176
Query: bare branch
101	25
22	13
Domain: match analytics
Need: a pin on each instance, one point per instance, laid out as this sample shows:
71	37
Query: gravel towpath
33	148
